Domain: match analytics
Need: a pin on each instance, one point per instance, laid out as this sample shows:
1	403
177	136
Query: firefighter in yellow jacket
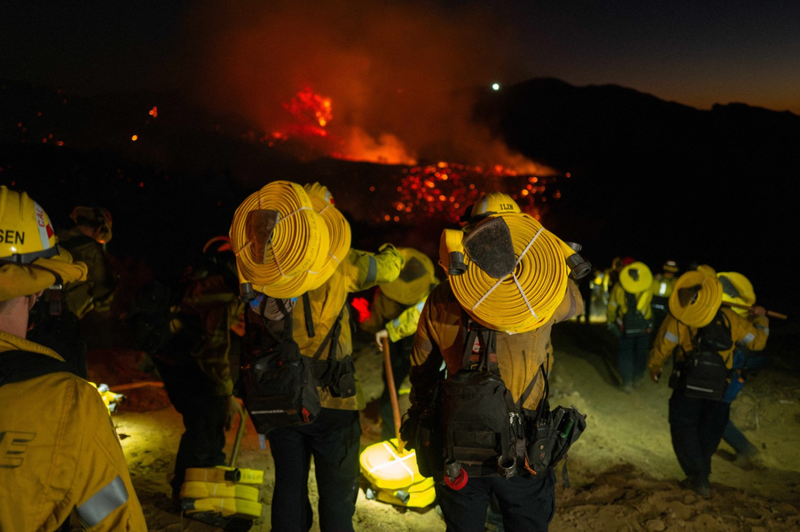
698	324
395	312
629	318
58	448
321	326
495	302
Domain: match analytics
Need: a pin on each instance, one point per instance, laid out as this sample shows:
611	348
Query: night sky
696	53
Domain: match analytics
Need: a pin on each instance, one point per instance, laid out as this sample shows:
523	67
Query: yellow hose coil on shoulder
298	246
338	229
696	298
524	299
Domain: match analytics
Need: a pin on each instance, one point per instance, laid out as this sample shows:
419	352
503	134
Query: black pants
696	426
400	356
527	503
333	440
632	358
190	392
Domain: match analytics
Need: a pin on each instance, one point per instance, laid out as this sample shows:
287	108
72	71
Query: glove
410	426
615	330
655	375
232	409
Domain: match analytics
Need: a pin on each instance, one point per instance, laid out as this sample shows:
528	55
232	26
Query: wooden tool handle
387	362
770	313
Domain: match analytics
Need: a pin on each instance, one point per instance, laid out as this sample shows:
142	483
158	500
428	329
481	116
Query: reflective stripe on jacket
752	334
519	356
59	451
359	271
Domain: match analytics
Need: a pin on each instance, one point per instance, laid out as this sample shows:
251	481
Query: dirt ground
624	473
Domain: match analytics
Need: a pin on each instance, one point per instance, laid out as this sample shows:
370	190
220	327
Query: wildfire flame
308	105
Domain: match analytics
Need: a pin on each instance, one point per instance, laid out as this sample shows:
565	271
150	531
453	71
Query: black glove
410	425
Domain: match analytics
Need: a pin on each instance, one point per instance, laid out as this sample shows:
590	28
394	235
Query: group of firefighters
288	268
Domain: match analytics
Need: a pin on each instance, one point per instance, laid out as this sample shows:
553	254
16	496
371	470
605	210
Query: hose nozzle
579	268
246	292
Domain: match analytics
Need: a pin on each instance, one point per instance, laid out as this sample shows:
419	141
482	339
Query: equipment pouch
343	378
550	438
704	376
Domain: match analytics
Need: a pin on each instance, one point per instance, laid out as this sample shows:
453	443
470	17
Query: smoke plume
401	75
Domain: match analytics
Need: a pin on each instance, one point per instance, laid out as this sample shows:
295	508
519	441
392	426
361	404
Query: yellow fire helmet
636	277
338	229
96	216
707	270
494	203
736	288
695	299
30	259
415	278
671	266
515	287
280	241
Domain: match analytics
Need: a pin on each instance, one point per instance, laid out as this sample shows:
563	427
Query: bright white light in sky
496	86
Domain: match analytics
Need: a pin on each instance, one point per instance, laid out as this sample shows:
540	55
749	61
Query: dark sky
693	52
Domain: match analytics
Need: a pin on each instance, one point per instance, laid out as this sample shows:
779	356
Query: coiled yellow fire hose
338	231
296	250
524	299
696	298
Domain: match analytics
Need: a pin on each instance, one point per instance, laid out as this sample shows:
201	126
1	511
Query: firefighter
698	414
320	320
194	362
629	319
663	284
395	312
86	242
58	448
60	329
527	501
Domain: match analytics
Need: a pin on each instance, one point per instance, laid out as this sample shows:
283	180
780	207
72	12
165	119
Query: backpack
633	322
277	383
705	375
487	432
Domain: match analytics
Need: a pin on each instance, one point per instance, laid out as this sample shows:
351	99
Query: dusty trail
623	471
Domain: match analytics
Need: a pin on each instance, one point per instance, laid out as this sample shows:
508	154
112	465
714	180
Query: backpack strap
473	331
632	302
18	366
309	319
332	336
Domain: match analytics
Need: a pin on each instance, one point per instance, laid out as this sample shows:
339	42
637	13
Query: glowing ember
447	189
154	112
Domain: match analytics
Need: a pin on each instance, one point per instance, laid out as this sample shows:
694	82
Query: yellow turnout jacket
519	356
618	304
748	333
59	451
359	271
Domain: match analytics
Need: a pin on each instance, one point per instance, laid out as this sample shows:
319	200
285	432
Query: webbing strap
18	366
309	319
333	335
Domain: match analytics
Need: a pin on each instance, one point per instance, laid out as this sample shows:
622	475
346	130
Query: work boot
627	388
699	486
